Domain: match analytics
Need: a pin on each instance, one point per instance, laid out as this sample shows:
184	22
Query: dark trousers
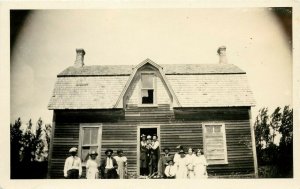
110	174
73	174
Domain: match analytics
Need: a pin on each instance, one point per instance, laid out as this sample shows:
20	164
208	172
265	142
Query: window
148	88
214	140
90	137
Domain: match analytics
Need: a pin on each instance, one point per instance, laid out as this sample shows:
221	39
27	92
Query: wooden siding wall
119	131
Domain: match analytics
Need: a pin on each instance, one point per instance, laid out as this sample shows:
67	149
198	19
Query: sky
255	41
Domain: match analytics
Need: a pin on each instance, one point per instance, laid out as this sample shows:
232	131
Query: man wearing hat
108	166
72	168
163	161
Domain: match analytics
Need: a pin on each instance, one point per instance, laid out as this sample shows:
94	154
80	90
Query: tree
15	147
286	142
278	157
29	147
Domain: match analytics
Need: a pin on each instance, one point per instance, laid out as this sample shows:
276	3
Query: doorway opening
144	153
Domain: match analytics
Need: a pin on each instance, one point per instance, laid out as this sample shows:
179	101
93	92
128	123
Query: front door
142	156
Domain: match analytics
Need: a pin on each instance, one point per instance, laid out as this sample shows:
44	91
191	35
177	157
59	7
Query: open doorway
144	153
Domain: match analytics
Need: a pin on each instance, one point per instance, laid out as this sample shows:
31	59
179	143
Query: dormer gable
147	86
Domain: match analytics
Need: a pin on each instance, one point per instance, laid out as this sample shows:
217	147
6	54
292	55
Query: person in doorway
92	171
170	171
190	158
108	166
181	165
152	164
143	156
154	154
122	164
163	162
200	165
72	168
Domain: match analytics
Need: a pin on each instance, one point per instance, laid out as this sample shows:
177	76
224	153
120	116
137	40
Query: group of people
184	166
181	165
149	155
110	167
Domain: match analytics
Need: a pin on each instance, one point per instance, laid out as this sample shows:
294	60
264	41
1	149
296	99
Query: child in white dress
200	165
92	171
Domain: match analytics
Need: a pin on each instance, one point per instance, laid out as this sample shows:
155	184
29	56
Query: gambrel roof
193	85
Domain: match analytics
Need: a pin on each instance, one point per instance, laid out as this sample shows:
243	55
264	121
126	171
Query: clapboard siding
212	113
66	135
184	134
119	131
121	137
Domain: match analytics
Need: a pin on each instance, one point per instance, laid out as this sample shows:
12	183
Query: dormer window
147	88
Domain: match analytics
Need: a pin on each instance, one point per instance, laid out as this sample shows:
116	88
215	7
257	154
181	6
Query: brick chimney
79	58
222	55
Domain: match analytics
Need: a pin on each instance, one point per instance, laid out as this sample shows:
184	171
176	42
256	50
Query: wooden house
205	106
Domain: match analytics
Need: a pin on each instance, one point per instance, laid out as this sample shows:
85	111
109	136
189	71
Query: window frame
154	88
81	137
223	130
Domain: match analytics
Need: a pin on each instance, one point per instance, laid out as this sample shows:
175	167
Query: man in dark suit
108	166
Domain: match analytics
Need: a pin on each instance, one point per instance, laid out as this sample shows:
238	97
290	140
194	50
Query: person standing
122	164
92	171
200	165
190	157
108	166
181	164
72	168
154	153
143	156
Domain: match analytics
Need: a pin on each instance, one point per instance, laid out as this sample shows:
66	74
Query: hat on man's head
93	153
143	135
73	149
109	150
148	137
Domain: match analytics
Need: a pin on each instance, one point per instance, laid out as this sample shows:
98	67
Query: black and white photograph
182	93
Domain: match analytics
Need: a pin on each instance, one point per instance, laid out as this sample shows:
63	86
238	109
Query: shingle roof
86	92
220	90
202	85
111	70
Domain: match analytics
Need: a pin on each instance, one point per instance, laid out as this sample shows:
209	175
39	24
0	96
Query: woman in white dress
190	157
92	171
122	164
181	164
200	165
